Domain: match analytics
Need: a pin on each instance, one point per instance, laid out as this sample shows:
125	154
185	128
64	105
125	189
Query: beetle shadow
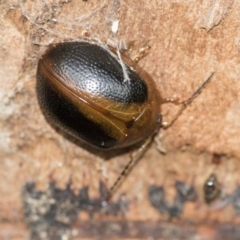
105	154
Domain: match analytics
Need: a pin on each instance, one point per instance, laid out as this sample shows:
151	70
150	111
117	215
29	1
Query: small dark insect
103	99
211	189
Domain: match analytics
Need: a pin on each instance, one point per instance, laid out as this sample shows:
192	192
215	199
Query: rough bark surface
188	41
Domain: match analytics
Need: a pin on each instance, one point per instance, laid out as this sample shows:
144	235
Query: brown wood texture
188	41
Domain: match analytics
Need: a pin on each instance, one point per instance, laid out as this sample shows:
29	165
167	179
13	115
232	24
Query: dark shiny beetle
212	188
82	88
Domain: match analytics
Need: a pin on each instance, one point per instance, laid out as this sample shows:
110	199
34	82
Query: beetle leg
184	103
143	51
132	162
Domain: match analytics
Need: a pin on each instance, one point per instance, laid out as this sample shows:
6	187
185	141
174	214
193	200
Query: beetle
89	92
212	188
102	98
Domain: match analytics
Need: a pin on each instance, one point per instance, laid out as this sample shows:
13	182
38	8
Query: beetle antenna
134	159
185	103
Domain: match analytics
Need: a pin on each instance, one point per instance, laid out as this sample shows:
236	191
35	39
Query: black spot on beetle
91	68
